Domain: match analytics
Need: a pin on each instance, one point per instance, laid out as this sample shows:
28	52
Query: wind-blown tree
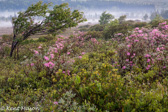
105	18
122	19
52	22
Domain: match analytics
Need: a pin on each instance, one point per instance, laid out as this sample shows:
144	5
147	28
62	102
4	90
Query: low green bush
96	34
111	30
97	27
84	28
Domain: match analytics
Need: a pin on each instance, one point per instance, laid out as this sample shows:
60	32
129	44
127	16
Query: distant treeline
91	4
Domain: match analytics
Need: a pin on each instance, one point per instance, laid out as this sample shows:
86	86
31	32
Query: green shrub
97	27
4	50
111	30
28	42
95	34
84	28
140	24
42	39
153	98
66	103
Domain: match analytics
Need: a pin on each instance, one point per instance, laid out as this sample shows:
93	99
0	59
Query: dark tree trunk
14	44
25	36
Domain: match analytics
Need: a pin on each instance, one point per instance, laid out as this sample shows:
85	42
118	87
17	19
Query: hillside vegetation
118	66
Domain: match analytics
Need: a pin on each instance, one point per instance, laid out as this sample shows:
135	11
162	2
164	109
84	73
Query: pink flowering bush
145	49
63	53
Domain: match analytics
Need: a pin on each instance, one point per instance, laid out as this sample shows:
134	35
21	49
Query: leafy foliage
58	19
114	28
105	18
122	19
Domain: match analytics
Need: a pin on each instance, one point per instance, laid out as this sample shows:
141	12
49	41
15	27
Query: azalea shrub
145	49
114	28
62	54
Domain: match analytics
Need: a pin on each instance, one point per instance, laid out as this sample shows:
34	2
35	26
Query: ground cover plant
85	72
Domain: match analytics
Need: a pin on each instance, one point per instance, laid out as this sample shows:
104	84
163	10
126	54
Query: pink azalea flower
52	56
36	52
80	57
164	67
63	72
83	53
32	64
46	58
155	30
148	67
56	103
140	31
68	53
136	28
136	40
128	45
158	49
68	71
145	38
61	48
162	48
94	40
148	60
127	60
56	51
124	67
61	36
47	65
164	23
39	47
51	64
128	54
131	64
147	55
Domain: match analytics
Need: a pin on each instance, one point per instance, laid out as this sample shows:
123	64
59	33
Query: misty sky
134	9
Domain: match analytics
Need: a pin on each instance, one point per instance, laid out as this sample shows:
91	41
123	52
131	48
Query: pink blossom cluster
66	72
49	65
94	40
118	37
63	53
145	48
164	25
